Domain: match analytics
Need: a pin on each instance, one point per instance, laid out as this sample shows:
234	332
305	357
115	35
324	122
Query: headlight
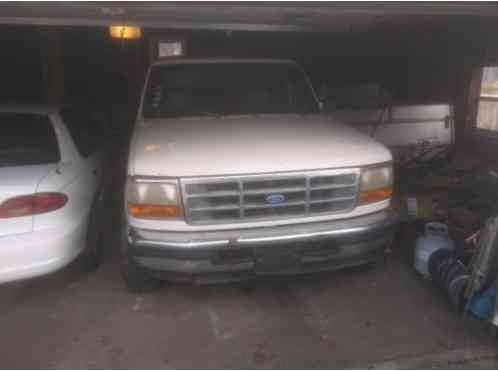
376	184
153	200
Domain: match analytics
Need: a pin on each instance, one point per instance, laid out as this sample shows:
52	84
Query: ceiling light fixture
125	32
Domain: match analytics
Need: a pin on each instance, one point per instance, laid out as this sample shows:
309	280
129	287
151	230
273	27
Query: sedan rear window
27	139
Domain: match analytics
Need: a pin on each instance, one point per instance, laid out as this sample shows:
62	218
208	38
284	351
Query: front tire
136	278
92	256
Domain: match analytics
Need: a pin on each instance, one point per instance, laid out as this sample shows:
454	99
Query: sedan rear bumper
245	253
37	253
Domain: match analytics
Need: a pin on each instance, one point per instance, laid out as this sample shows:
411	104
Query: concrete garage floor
382	317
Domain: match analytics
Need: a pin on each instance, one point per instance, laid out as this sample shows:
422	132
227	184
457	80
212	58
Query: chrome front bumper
241	254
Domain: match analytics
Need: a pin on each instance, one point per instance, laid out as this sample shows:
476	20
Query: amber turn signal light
153	211
375	195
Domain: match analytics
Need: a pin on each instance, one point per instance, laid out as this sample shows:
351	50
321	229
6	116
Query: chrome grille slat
241	201
277	182
232	199
325	200
217	194
215	208
212	187
317	188
286	204
334	193
331	180
308	195
328	207
271	190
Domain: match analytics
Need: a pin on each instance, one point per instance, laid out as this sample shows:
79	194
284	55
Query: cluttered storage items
449	232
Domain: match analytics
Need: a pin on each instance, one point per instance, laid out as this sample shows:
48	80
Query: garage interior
386	316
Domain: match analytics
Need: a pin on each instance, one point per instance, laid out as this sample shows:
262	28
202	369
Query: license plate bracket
288	258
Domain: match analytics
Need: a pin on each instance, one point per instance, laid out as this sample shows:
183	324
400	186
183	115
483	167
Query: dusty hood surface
248	144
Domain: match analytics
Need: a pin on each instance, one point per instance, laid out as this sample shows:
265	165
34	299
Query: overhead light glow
125	32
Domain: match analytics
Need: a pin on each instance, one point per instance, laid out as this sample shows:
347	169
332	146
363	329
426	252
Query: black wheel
136	278
457	269
92	255
456	292
435	260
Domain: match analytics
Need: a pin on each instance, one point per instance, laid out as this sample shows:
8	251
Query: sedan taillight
37	203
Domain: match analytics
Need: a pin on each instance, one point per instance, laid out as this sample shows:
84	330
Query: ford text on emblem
275	199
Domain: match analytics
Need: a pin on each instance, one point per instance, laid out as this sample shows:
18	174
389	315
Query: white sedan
51	174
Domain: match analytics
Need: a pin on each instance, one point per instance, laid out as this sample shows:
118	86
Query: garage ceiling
304	17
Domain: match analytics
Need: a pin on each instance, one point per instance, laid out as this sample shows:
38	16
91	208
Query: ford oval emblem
275	199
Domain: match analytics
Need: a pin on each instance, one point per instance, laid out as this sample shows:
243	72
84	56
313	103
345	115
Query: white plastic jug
435	237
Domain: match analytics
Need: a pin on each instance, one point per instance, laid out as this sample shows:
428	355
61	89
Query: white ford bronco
234	173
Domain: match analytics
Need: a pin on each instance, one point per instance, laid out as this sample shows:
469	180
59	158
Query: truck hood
226	145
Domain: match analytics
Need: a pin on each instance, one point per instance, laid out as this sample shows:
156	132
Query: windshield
227	88
26	139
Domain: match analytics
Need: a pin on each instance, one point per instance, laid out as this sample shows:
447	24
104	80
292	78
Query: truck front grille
231	199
